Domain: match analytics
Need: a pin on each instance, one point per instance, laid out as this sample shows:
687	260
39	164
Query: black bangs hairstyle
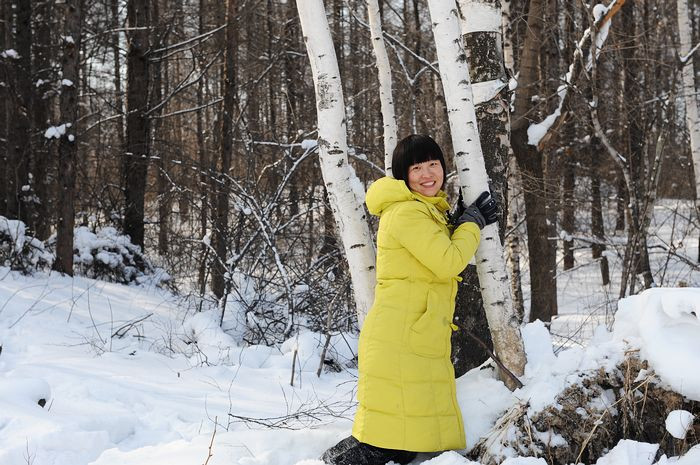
413	149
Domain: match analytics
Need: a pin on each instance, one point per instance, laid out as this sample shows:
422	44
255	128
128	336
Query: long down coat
406	390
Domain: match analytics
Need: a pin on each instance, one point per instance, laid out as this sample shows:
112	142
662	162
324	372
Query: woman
406	388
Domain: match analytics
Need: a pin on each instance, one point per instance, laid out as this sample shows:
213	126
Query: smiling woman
406	390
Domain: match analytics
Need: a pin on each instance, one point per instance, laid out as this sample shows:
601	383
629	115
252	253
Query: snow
135	374
628	452
308	144
10	53
56	131
667	334
678	422
66	83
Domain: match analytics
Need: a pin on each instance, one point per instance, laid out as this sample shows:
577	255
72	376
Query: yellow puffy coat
406	388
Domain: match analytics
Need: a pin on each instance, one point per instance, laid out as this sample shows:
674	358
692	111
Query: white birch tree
692	119
454	72
385	93
338	177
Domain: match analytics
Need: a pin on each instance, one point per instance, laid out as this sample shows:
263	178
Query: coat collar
387	191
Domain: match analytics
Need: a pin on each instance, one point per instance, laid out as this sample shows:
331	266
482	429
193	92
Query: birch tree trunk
348	210
454	72
691	105
385	93
481	34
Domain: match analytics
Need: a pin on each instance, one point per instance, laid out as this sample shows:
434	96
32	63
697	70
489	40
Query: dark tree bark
43	14
158	149
68	143
221	231
137	151
5	79
542	257
19	150
568	221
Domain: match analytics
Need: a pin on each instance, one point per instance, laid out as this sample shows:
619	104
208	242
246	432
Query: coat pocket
429	336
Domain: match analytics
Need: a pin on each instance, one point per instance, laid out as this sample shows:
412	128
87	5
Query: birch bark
471	170
692	118
385	92
347	209
480	22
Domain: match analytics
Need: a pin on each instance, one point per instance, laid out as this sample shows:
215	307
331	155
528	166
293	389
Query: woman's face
426	177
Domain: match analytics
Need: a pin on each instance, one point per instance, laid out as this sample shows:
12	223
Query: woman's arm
415	229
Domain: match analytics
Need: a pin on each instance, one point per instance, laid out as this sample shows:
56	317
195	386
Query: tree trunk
568	221
41	161
20	133
385	93
68	143
597	225
332	141
469	159
5	36
543	284
137	122
482	47
692	119
220	234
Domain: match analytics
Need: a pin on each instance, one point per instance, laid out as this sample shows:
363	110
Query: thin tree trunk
469	159
568	222
137	122
5	100
385	92
597	225
692	119
117	76
543	285
68	143
19	135
203	167
332	140
220	236
41	160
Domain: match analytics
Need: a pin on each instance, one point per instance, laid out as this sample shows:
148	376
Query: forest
221	150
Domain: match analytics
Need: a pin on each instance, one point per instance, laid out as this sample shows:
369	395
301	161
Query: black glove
487	206
483	211
471	215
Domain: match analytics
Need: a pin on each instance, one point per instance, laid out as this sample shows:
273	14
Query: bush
109	256
21	252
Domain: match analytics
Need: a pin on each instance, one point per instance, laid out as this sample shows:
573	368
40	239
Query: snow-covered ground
134	375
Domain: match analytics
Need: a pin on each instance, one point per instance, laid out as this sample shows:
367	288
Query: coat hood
386	191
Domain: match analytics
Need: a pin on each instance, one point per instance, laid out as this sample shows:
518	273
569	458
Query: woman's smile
426	178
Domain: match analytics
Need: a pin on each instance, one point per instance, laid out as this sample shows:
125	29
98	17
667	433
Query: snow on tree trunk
338	176
385	92
692	118
469	159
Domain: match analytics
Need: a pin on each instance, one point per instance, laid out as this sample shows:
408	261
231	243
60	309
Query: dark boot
350	451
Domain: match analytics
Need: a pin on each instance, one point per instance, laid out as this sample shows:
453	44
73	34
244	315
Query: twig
211	443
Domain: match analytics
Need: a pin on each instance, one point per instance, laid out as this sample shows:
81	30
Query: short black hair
413	149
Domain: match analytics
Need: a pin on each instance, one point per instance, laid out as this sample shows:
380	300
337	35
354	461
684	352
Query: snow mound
663	324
